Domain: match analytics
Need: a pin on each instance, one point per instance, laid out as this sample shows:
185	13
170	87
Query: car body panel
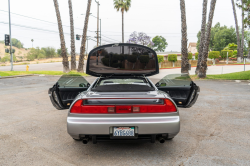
179	89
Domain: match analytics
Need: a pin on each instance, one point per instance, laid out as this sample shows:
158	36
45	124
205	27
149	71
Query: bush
17	43
5	58
214	54
160	58
144	59
235	54
116	65
121	58
172	57
132	58
190	56
224	53
105	61
196	55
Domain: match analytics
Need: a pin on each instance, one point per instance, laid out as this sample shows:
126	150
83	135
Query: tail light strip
79	108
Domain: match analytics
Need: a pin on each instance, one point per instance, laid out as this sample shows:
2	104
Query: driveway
215	131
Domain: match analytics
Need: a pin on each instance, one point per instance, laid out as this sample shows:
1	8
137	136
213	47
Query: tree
220	37
72	34
202	35
203	67
224	37
184	50
17	43
232	46
160	43
237	32
82	49
63	47
140	38
49	52
122	5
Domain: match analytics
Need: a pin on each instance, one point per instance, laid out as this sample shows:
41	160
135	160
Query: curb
17	76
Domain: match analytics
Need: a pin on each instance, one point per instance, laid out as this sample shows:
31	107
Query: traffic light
7	39
7	50
13	51
77	37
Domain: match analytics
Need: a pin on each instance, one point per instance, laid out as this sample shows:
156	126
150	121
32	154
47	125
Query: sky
36	19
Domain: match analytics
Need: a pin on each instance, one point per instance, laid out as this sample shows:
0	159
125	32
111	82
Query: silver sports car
122	103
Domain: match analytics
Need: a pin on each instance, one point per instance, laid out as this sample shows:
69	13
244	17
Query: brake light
77	107
80	108
170	107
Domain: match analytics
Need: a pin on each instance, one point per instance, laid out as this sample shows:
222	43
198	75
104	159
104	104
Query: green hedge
105	61
214	54
144	59
160	58
224	53
132	58
196	55
190	55
172	57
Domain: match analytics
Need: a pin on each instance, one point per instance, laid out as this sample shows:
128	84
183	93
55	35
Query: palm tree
203	67
122	5
237	33
63	47
73	55
184	51
203	32
84	37
242	34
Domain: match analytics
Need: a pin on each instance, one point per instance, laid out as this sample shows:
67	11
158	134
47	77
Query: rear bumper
99	124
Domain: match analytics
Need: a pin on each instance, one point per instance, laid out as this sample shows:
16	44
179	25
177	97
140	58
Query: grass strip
244	75
15	73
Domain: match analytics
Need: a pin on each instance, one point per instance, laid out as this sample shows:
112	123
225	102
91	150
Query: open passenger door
181	89
63	93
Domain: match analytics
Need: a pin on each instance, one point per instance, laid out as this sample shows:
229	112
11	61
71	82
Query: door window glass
72	81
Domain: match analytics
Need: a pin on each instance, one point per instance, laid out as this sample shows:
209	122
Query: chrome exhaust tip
161	140
85	140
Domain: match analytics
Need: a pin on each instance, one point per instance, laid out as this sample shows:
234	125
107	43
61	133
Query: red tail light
80	108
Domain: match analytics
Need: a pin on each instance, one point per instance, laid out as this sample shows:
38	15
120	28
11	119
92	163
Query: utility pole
97	22
100	37
11	56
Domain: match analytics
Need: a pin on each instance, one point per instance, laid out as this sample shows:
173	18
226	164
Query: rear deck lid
122	60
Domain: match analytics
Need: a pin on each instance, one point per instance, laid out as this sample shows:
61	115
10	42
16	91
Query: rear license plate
124	132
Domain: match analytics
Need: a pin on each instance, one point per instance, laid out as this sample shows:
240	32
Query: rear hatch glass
122	59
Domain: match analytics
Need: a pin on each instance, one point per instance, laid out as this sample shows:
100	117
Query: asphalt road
57	66
215	131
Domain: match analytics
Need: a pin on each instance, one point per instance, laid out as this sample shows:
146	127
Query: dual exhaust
86	140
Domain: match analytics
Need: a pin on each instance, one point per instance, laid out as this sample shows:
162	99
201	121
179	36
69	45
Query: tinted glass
112	81
175	80
118	60
72	81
